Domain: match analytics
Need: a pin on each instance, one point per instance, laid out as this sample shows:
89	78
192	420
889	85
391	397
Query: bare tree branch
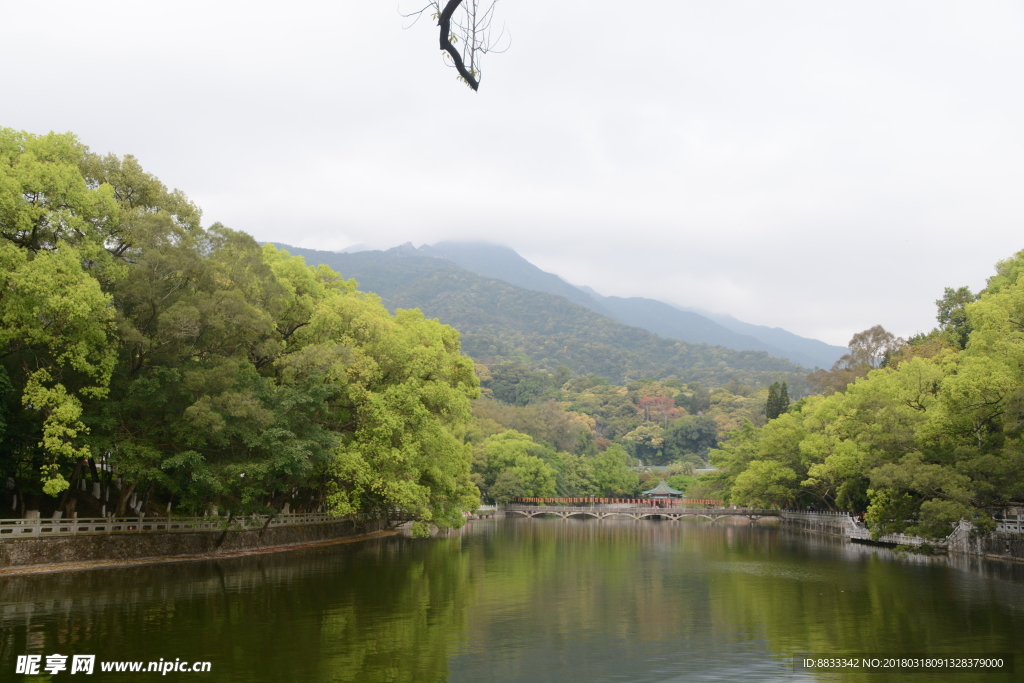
465	22
445	22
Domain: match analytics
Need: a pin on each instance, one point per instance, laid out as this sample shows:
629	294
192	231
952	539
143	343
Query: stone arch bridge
637	512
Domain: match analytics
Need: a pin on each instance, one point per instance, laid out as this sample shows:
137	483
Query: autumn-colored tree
657	408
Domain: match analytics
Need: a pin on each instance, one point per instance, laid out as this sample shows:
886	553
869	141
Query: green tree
195	366
690	435
56	322
765	484
869	350
546	421
646	443
522	458
952	315
778	400
515	384
507	486
700	399
575	475
612	473
771	407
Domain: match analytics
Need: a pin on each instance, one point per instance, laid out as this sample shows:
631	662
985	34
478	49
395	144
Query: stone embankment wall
965	540
132	546
998	545
821	523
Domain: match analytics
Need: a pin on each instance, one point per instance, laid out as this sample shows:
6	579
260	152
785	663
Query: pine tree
783	399
771	408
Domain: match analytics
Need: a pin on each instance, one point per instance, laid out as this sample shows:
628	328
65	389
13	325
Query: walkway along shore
32	546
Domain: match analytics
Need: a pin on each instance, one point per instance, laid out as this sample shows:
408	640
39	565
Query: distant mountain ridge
664	319
668	321
501	321
813	348
504	263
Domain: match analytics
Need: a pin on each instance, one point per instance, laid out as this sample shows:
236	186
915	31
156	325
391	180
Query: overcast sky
818	166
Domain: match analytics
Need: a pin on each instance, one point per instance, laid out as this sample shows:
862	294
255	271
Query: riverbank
73	553
996	545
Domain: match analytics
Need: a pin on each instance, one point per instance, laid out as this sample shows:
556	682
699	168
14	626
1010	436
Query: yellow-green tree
174	363
56	322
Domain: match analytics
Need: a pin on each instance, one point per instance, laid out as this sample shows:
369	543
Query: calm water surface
527	600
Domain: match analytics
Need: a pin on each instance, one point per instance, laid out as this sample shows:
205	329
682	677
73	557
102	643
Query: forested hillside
668	321
499	321
535	434
663	319
503	263
815	351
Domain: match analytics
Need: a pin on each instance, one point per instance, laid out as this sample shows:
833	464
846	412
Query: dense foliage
588	437
916	435
167	364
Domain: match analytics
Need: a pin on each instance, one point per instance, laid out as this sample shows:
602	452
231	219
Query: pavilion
663	492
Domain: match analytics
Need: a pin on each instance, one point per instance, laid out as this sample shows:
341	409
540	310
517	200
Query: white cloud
819	166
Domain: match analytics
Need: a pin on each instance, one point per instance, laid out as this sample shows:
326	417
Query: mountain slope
818	352
500	321
666	320
503	263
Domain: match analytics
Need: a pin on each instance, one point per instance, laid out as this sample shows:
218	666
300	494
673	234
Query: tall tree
952	315
872	347
56	323
783	399
657	408
513	462
700	399
771	408
612	473
869	350
690	435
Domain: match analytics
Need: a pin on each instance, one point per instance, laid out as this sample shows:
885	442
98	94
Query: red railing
659	502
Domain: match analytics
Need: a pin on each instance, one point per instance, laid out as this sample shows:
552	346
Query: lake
528	600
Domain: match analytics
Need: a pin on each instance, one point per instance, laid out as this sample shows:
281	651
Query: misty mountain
823	354
500	321
668	321
504	263
655	316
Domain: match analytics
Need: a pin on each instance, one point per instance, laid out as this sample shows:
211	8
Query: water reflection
527	600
